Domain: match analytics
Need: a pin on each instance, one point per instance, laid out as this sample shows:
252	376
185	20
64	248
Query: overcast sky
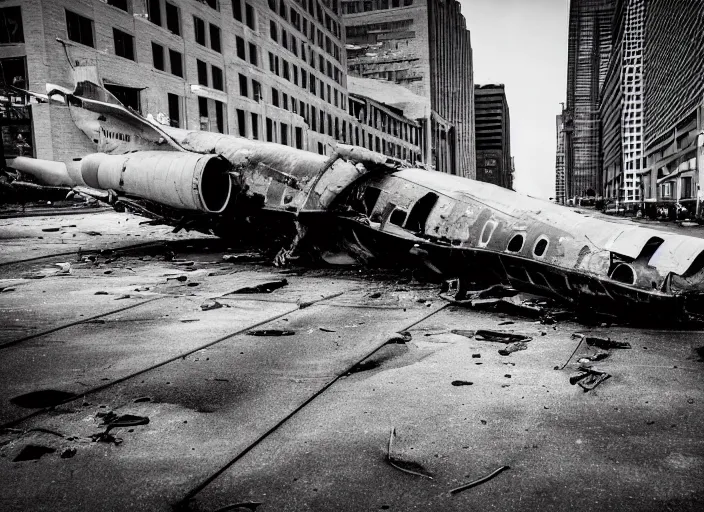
523	45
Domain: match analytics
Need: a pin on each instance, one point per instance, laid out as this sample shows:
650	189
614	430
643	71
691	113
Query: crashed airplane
361	206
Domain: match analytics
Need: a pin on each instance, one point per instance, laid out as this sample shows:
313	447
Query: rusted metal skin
47	172
463	227
182	180
288	179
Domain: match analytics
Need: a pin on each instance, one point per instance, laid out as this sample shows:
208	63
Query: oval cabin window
540	247
516	243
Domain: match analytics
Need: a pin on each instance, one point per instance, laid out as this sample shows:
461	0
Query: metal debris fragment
500	337
398	464
271	332
267	287
605	343
461	383
479	481
33	452
513	347
210	305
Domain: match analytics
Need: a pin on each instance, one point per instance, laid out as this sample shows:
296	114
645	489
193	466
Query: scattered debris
513	347
42	398
179	278
101	293
589	377
463	332
402	338
508	322
326	329
500	337
403	465
111	420
210	305
461	383
190	320
142	399
50	230
33	452
68	453
123	296
375	295
476	356
605	343
271	332
479	481
105	437
244	257
263	288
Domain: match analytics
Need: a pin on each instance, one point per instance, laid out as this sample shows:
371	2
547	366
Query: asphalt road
303	421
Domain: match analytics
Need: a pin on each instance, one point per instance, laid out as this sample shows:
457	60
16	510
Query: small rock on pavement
210	304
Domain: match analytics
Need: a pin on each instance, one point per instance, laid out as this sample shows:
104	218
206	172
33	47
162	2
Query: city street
140	370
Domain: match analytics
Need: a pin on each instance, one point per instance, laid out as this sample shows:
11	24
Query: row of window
308	81
290	43
307	28
354	6
380	120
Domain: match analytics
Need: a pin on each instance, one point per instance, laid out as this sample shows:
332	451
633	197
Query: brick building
589	50
493	135
674	108
272	70
424	46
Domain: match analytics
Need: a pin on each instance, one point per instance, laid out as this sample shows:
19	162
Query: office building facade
493	135
424	46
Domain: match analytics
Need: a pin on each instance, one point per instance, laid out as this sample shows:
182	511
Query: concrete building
674	110
388	119
560	161
273	70
493	135
422	45
589	49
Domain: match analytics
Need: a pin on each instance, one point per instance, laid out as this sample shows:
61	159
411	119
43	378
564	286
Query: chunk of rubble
267	287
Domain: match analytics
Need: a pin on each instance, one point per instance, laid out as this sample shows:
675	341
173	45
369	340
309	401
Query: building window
241	120
199	30
299	137
120	4
269	130
124	44
243	86
253	54
255	126
218	82
272	60
128	96
174	110
272	31
284	134
274	97
239	43
173	20
158	56
176	60
237	9
250	19
203	113
219	117
272	5
256	91
79	28
213	4
154	11
202	72
215	38
11	29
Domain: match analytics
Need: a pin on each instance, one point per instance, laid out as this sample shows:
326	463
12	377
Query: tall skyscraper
423	45
560	161
622	106
493	135
589	49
